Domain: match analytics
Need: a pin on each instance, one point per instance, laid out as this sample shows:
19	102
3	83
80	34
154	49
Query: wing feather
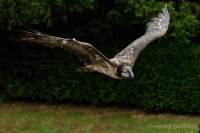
155	29
87	53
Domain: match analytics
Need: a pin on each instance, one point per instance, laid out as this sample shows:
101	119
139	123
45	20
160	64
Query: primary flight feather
118	67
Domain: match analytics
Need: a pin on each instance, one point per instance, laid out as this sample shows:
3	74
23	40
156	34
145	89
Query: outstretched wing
156	29
88	53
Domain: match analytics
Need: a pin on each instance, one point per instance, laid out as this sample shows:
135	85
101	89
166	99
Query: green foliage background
167	72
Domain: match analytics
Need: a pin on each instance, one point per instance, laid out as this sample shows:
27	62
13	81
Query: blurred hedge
167	72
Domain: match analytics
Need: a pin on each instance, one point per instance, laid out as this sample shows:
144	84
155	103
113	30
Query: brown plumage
118	67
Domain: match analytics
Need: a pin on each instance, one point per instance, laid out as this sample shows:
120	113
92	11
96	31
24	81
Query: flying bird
118	67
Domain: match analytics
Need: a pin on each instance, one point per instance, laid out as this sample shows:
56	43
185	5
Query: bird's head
125	71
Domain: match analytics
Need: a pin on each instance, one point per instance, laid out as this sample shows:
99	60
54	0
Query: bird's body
118	67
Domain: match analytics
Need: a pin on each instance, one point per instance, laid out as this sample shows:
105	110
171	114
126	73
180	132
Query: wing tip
159	23
165	7
165	10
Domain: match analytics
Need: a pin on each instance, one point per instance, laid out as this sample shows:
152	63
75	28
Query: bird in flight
118	67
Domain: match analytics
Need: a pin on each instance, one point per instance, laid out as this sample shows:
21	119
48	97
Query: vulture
118	67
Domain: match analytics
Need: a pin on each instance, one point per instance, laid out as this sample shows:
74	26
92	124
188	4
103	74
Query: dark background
167	73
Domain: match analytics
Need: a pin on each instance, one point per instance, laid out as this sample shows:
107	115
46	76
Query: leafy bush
167	72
